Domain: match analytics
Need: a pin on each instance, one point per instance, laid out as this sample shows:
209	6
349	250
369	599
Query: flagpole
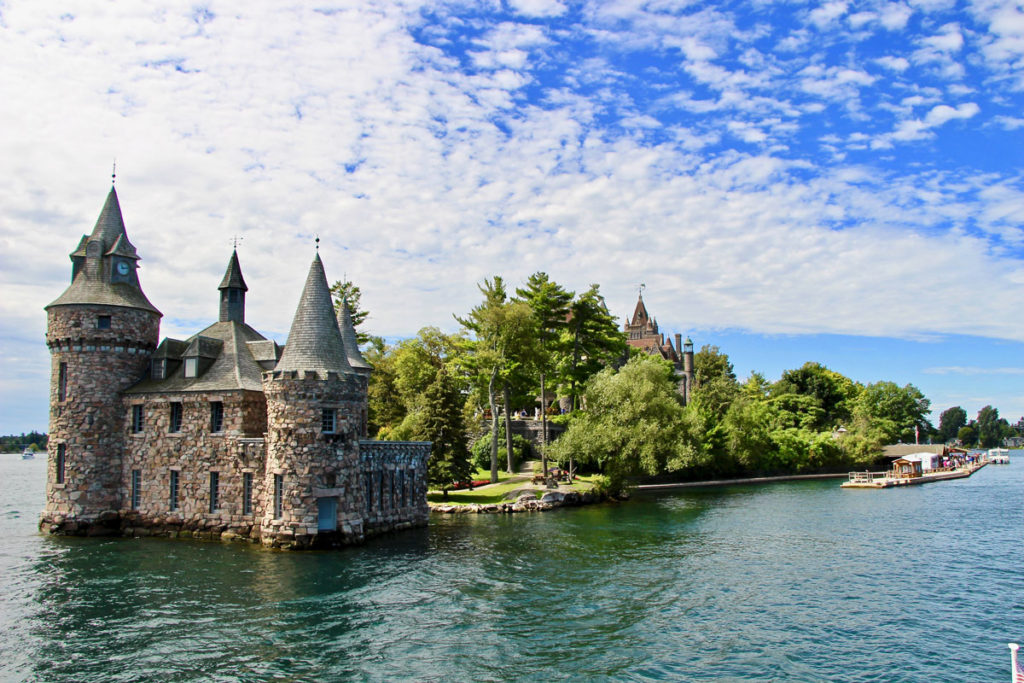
1013	661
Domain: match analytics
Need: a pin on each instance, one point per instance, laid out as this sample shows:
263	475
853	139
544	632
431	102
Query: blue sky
837	181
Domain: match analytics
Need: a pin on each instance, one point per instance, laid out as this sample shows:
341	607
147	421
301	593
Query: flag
1018	672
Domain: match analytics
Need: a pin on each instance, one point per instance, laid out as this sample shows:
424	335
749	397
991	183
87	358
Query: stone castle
642	333
224	434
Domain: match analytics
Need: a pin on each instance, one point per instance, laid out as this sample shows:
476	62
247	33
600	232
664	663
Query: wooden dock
884	480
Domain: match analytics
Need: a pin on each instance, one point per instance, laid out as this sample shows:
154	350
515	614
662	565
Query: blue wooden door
328	514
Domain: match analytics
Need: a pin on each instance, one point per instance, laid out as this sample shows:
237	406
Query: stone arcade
225	434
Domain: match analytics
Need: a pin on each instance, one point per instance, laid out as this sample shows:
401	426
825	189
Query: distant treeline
17	442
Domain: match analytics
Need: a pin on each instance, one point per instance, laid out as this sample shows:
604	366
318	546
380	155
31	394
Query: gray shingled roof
233	275
314	342
109	226
110	233
234	367
348	335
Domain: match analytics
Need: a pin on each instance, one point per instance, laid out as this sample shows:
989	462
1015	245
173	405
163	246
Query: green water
788	582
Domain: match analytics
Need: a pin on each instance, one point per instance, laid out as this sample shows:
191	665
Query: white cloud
538	8
894	16
827	13
897	64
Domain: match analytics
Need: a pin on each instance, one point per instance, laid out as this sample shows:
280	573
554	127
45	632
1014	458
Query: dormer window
191	367
159	369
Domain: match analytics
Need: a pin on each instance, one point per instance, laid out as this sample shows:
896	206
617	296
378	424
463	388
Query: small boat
28	454
999	456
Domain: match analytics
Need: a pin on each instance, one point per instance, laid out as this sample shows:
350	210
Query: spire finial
235	241
113	173
641	288
318	243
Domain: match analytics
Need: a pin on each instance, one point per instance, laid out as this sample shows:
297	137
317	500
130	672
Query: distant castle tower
642	333
101	332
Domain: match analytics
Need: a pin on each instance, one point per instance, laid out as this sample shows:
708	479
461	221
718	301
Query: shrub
480	452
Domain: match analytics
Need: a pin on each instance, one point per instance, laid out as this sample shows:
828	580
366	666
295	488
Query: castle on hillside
642	333
224	434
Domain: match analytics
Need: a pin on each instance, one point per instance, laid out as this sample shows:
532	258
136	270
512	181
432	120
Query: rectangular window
246	493
216	417
191	367
137	419
175	417
136	488
159	369
62	382
214	491
327	421
278	495
62	451
103	322
174	489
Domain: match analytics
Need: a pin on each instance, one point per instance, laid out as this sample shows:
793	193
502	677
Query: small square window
327	422
103	322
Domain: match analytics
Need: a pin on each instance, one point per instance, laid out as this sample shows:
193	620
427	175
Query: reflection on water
790	581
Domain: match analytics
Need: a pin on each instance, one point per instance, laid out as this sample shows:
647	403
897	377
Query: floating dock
884	480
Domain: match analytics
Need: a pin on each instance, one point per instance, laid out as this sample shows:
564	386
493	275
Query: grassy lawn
486	496
486	474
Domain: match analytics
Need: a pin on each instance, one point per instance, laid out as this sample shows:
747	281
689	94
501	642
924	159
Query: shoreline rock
551	500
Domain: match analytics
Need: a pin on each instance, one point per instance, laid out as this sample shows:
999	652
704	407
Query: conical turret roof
233	275
314	342
348	335
110	230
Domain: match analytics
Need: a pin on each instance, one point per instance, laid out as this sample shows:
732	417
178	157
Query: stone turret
316	412
101	332
232	293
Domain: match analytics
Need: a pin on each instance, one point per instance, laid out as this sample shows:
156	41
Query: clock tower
101	333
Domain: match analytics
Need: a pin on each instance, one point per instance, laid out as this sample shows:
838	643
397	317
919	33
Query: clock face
122	267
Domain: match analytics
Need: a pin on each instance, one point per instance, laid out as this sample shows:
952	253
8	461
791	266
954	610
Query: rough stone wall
394	475
194	452
89	421
311	462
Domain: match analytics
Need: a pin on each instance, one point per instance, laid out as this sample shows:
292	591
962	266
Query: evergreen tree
443	426
346	291
594	338
549	302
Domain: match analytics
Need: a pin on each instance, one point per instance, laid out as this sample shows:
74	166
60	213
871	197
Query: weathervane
235	242
113	172
642	287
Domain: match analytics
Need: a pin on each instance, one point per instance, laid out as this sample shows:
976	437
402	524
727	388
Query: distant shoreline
730	482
